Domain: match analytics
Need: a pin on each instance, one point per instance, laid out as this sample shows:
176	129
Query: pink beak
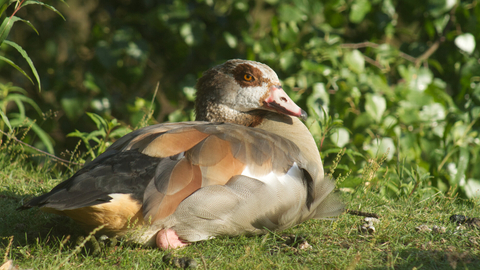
279	101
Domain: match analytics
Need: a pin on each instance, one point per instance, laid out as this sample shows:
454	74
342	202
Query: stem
38	150
17	8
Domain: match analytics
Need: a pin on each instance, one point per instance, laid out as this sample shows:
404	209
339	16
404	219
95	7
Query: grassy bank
33	239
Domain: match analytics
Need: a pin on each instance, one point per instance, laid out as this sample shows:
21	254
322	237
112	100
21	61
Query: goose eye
247	77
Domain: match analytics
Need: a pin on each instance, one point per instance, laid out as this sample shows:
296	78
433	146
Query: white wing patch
272	178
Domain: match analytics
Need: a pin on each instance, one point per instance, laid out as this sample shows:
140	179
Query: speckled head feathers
234	91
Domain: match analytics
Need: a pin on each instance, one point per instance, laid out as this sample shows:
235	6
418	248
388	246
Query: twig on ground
10	241
362	214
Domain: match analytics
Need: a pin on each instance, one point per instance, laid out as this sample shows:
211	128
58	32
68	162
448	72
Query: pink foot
168	239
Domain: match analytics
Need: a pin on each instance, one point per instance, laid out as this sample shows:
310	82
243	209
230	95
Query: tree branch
403	55
359	45
427	53
373	62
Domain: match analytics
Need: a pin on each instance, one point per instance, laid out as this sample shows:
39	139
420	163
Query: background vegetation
397	75
391	86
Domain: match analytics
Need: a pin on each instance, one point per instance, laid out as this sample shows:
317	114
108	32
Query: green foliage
16	120
18	96
388	99
97	141
392	89
375	76
5	28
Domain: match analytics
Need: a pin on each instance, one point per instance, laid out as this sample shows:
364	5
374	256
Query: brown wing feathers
176	181
173	143
257	148
213	160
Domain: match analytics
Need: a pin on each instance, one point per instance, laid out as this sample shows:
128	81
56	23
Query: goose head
242	92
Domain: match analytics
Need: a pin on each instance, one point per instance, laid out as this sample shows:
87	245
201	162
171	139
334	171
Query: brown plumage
247	165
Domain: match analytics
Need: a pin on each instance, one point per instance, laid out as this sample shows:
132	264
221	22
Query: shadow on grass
32	225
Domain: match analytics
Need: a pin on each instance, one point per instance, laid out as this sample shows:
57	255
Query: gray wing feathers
326	203
231	209
248	206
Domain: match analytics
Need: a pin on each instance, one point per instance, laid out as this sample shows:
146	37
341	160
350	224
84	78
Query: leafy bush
380	75
12	94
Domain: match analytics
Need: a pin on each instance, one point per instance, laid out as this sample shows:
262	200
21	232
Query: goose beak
280	102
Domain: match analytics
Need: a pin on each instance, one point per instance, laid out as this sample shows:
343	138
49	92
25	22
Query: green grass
46	241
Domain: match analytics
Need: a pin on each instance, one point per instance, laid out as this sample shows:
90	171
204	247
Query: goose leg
168	239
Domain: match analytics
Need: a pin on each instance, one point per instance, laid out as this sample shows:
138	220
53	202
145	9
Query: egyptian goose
248	165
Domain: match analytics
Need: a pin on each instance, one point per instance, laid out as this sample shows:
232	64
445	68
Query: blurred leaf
359	9
287	59
314	67
418	79
8	61
7	26
20	99
120	132
187	34
30	2
441	22
3	6
363	120
5	120
290	13
105	55
73	105
375	106
178	116
379	147
17	120
462	164
466	42
89	83
355	61
389	121
472	188
44	137
340	137
459	130
438	7
379	84
101	106
423	78
27	58
21	116
318	101
230	39
388	8
432	112
99	121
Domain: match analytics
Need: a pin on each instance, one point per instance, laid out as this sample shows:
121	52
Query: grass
33	239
